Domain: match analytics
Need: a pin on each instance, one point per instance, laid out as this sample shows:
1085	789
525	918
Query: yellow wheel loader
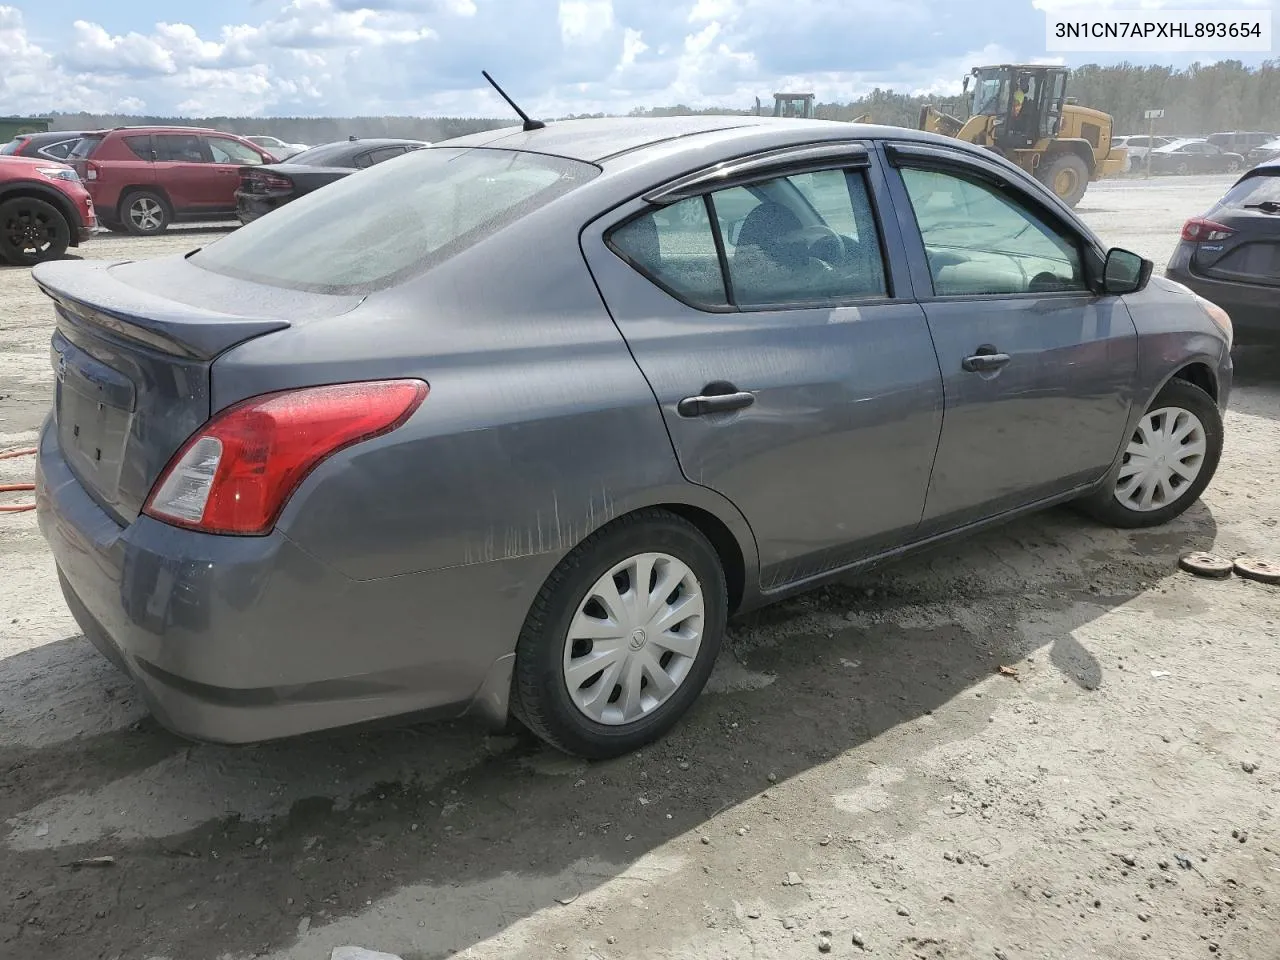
1022	112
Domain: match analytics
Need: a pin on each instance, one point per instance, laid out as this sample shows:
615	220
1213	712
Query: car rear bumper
250	206
1254	309
242	639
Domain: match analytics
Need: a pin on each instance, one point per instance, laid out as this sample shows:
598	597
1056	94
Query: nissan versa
511	424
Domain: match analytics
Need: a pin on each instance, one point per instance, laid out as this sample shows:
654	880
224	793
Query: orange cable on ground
16	487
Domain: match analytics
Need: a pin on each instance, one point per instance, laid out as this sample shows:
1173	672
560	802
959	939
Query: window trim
763	176
770	165
955	164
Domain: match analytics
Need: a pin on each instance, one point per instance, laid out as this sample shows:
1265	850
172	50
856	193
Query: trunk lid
132	351
1251	254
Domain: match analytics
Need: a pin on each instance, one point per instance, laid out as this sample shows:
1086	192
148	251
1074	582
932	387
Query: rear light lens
91	171
235	475
271	181
1199	230
1218	316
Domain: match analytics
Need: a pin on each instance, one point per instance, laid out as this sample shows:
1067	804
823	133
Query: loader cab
797	105
1025	102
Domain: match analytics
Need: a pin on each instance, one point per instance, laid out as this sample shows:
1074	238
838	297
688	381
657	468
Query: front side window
369	232
179	148
225	150
979	241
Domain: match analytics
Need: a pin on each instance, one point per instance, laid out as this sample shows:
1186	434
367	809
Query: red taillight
90	170
1199	230
235	475
271	181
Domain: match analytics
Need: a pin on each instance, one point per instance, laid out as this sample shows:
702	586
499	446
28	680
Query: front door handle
704	404
983	362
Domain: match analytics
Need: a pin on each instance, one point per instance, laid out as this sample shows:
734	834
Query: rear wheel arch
59	200
1080	148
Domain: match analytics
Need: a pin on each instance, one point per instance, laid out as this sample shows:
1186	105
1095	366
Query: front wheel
1068	176
32	231
622	637
1167	463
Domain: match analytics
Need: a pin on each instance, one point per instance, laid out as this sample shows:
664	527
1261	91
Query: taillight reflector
272	181
1199	230
236	473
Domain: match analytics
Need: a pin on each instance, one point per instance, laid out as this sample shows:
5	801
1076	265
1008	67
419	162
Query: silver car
511	425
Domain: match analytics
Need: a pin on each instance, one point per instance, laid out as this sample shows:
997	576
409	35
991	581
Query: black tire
145	213
1182	169
32	231
540	696
1067	176
1103	505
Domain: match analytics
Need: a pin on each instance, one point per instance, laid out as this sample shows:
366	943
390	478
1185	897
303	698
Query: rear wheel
1182	169
1067	176
1233	166
144	213
622	637
1167	463
32	231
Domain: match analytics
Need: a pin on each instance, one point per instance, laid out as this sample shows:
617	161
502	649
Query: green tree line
1197	100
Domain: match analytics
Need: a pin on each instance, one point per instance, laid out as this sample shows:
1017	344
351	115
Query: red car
144	178
44	208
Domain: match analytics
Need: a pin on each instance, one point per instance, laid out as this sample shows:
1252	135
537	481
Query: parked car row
142	179
1216	153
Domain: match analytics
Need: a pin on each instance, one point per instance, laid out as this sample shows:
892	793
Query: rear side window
140	147
369	232
85	147
807	238
676	249
59	150
179	148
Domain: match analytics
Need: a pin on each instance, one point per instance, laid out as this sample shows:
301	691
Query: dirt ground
858	771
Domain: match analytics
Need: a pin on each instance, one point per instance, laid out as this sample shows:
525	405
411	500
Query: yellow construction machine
1022	112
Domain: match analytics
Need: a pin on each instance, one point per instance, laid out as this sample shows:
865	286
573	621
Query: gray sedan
512	424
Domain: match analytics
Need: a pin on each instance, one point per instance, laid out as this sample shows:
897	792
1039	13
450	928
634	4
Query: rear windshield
85	147
12	147
1256	188
375	228
327	155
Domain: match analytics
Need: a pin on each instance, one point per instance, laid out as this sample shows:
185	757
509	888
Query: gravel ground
859	778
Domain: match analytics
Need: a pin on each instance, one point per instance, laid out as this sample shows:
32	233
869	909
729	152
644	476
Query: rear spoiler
86	293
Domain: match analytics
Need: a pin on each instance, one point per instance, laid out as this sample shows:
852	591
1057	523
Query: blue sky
423	57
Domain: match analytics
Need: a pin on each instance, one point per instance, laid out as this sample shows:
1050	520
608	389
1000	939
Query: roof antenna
529	122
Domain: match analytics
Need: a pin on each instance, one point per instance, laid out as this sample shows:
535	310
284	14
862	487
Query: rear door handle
984	362
702	405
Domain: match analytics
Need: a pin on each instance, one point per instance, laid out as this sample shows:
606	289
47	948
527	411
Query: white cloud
632	46
585	21
423	57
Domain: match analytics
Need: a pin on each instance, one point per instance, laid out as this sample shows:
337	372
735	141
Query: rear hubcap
146	213
633	639
1163	458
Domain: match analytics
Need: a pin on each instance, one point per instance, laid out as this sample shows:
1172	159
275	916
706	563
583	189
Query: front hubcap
634	638
1163	458
146	214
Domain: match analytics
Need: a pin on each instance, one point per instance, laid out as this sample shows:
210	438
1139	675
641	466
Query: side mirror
1125	272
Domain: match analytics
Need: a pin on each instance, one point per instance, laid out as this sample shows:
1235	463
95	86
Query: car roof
600	140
